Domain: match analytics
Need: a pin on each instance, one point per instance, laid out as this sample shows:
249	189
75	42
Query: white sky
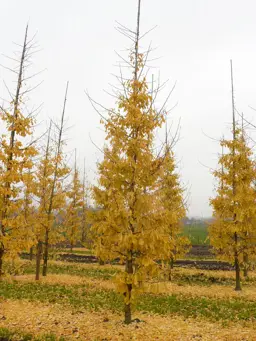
195	40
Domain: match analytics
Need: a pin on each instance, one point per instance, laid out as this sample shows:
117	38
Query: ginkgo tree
73	215
172	203
232	234
50	193
85	226
128	223
16	159
29	208
42	186
57	192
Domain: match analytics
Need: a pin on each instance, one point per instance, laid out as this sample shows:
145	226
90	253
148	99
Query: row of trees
39	204
139	193
139	198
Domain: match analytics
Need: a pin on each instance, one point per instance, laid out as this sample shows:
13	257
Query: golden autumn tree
57	193
173	206
128	223
85	212
28	209
232	234
73	216
51	194
15	160
42	187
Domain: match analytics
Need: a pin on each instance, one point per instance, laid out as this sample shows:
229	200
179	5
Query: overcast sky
195	40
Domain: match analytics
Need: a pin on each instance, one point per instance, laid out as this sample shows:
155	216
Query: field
197	233
78	302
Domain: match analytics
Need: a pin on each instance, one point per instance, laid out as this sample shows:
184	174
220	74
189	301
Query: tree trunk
127	311
245	259
238	280
101	262
170	269
38	259
237	267
1	261
127	308
46	252
83	239
31	253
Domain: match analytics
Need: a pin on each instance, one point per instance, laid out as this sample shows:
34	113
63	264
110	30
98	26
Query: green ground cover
83	297
197	233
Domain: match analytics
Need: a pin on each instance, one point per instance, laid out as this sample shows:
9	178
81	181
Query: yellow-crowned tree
129	223
73	217
173	206
232	234
16	159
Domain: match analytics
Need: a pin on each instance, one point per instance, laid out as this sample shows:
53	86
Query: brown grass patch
67	280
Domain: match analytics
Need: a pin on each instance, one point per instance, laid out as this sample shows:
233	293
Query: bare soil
203	251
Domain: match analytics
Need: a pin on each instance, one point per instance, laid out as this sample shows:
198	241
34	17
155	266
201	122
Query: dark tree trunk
1	261
246	260
238	279
83	236
46	252
127	311
170	269
127	308
101	262
31	254
38	259
237	266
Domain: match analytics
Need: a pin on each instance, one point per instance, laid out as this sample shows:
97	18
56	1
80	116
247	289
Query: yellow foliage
234	205
73	216
130	222
42	318
15	170
50	194
172	205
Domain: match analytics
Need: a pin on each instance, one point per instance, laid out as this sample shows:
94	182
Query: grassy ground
197	234
201	304
78	251
106	325
8	335
82	270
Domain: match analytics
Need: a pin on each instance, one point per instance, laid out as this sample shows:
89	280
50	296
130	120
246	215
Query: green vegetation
84	297
197	233
213	309
73	269
75	252
8	335
106	273
76	296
